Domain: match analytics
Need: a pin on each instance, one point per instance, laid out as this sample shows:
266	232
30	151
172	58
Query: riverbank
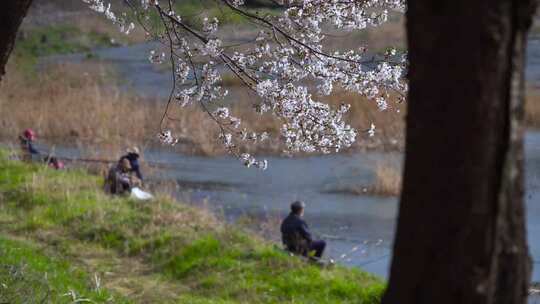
162	251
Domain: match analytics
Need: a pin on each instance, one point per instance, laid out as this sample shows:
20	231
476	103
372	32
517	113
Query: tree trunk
461	230
11	16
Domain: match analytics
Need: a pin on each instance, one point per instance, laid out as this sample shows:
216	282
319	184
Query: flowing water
345	221
138	74
532	72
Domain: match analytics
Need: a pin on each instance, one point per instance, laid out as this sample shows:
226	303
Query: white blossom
212	48
286	62
105	9
156	57
167	138
371	131
222	112
210	26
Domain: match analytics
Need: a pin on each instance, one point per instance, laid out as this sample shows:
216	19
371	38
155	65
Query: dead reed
81	104
532	109
387	180
73	103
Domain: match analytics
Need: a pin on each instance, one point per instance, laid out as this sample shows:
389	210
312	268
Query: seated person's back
295	233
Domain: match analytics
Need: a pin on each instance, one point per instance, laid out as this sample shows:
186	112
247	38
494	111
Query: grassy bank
162	251
29	276
64	27
36	42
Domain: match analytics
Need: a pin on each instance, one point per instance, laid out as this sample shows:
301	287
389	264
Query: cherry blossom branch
285	56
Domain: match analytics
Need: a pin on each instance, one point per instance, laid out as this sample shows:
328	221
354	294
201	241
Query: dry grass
125	276
81	104
532	110
387	178
72	103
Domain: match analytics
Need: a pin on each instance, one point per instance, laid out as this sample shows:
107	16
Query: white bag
138	194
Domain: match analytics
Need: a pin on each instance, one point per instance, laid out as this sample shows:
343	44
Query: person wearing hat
27	145
295	233
133	156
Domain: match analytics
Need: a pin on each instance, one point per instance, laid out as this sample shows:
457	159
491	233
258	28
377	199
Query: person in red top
27	145
30	153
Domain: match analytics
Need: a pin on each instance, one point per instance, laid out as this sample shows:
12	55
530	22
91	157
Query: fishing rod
374	260
108	161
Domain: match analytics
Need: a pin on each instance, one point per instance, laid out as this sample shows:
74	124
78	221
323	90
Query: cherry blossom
286	65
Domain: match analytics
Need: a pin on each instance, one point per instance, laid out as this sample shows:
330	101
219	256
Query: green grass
28	276
202	258
192	13
58	39
36	42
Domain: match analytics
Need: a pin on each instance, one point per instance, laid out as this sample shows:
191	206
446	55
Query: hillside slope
161	251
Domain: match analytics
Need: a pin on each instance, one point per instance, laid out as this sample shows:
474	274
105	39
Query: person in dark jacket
133	156
295	233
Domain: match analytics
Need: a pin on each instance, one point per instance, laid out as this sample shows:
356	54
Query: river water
345	221
138	74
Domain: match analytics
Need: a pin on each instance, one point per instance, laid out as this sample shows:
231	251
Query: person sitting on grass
296	236
120	179
133	156
30	153
54	163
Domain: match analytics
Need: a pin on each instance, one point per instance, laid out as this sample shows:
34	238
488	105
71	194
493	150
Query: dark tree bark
461	230
11	16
